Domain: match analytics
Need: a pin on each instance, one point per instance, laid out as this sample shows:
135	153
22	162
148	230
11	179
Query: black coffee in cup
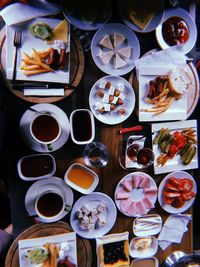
49	204
45	128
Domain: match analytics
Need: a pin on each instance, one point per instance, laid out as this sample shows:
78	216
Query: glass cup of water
95	154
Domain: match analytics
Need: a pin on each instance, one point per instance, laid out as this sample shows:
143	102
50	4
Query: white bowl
34	178
75	186
84	142
136	262
146	252
183	14
149	224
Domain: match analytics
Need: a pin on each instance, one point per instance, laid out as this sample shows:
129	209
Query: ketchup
175	31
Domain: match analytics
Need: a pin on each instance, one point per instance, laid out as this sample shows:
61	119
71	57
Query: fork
17	43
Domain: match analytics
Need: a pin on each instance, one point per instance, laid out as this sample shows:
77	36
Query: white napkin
44	92
17	12
173	229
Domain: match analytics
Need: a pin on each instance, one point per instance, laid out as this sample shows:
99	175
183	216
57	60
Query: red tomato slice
174	181
171	187
188	195
178	202
185	185
167	200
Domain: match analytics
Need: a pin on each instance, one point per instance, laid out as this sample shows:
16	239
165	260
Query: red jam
175	31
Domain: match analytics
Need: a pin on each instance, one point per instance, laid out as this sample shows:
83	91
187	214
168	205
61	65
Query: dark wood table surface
70	152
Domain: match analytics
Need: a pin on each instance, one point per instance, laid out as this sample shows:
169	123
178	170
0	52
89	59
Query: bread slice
106	42
180	80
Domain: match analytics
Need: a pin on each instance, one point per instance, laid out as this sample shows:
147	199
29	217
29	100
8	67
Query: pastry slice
119	62
118	39
125	52
106	42
105	57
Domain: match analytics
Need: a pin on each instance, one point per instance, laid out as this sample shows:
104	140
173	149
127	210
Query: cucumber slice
41	30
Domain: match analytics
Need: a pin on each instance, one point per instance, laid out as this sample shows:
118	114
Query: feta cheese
101	221
79	214
102	84
115	100
85	210
107	107
111	90
105	98
101	207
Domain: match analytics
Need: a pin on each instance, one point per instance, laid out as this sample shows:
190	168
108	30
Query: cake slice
119	62
106	42
125	52
118	39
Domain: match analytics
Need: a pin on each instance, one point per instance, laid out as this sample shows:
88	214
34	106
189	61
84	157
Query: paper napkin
44	92
173	230
17	12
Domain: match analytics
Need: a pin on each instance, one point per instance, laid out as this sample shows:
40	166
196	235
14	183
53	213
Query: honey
81	177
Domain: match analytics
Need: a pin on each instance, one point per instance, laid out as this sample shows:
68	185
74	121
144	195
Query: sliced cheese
60	32
106	42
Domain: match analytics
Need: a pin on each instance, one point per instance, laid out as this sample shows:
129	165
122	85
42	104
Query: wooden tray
84	250
76	70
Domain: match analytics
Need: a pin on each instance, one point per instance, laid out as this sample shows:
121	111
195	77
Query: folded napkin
173	230
44	92
17	12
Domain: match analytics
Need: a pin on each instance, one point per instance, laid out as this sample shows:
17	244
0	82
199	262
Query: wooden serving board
76	70
84	250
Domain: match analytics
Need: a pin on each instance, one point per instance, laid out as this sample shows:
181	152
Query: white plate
92	200
113	117
155	21
66	243
131	40
178	109
43	185
144	253
28	43
174	164
27	117
183	14
135	194
188	204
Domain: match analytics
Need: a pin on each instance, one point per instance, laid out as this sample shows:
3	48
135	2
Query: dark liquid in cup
82	127
145	157
50	204
45	128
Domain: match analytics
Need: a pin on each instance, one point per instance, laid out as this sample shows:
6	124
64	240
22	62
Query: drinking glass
95	154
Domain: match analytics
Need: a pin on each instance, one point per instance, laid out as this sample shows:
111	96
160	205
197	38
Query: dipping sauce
81	125
80	176
132	151
145	157
175	31
150	262
35	166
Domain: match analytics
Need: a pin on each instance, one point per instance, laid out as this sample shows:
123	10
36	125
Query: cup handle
67	208
49	146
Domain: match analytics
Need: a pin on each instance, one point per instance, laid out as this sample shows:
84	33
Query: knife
32	85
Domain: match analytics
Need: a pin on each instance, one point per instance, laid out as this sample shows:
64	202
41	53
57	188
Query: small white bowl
146	252
75	186
149	224
143	262
91	138
35	178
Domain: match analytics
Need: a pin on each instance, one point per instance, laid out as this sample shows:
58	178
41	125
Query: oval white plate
112	117
144	253
92	200
135	196
179	12
131	40
188	204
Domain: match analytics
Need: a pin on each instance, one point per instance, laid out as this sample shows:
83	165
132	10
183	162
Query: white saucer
27	117
43	185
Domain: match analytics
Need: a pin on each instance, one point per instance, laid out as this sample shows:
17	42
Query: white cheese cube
98	106
115	100
102	84
101	221
107	107
79	214
101	207
105	98
111	90
85	210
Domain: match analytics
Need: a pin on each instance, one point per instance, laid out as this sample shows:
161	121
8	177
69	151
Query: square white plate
28	43
174	164
178	109
26	244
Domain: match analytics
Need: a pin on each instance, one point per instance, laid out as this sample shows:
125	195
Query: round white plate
183	14
131	40
28	116
136	194
91	201
188	204
113	117
155	21
43	185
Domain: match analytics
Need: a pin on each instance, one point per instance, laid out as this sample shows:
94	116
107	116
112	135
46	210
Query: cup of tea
145	157
95	155
50	204
45	129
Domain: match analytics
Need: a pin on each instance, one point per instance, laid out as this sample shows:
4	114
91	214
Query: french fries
53	255
35	63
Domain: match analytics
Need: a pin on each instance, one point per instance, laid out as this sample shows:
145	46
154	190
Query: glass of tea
145	157
95	155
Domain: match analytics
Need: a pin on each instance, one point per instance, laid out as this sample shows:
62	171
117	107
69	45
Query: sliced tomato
188	195
178	202
171	194
174	181
167	200
172	150
171	187
185	185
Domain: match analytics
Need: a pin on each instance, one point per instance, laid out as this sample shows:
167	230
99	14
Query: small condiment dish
150	262
82	126
36	167
149	224
81	178
143	247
